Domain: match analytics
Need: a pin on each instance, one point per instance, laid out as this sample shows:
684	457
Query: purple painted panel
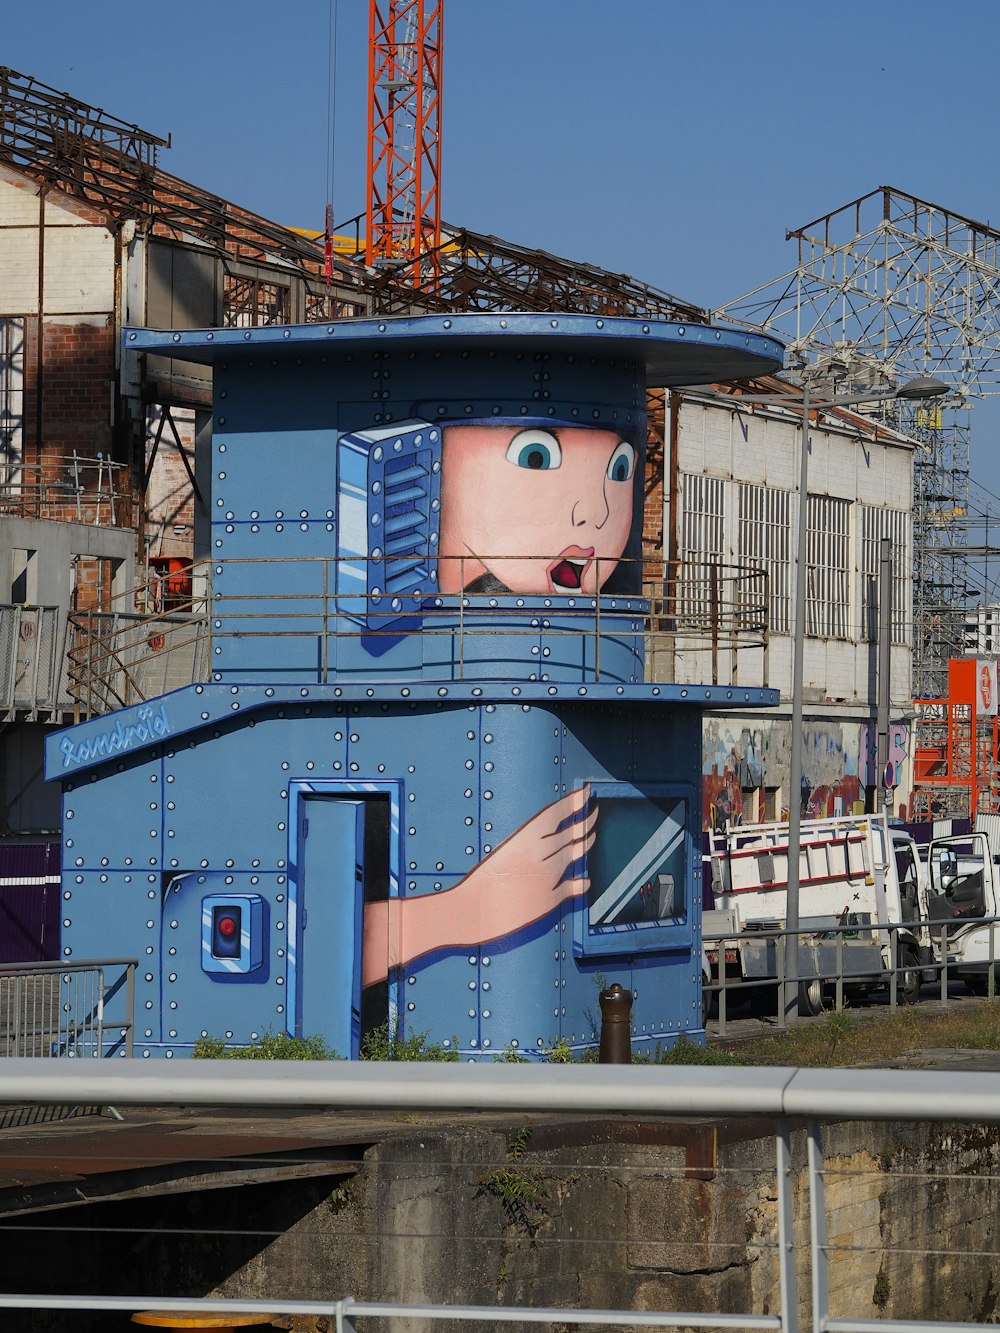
29	903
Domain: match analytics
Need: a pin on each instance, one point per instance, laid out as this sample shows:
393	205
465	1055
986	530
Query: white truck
854	872
962	900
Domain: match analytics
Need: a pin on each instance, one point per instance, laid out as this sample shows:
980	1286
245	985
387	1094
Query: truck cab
961	900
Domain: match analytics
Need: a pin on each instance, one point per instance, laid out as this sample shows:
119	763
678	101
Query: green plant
684	1052
510	1056
560	1053
340	1197
517	1143
521	1193
839	1025
270	1046
379	1045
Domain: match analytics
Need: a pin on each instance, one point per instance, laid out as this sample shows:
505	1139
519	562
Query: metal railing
709	607
782	1099
839	981
72	487
33	679
120	657
58	1009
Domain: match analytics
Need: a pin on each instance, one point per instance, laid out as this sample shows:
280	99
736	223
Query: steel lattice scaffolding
404	137
112	165
894	284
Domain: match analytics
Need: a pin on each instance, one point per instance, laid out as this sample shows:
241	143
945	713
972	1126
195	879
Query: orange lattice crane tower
403	221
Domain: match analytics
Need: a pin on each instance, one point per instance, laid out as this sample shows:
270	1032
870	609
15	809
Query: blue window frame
641	896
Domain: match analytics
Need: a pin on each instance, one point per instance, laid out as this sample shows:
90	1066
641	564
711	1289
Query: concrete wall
682	1217
55	547
605	1215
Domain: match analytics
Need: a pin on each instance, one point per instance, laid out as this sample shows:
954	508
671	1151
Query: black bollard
616	1026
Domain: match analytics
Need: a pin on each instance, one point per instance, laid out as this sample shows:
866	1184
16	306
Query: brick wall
68	445
78	375
653	536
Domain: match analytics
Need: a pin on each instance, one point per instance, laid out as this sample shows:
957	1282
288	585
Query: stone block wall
651	1218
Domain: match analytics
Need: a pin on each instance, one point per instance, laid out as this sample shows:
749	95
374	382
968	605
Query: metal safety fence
33	683
832	970
803	1219
49	1010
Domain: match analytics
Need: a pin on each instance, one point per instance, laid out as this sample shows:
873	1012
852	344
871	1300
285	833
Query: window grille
11	400
828	567
702	542
874	525
764	544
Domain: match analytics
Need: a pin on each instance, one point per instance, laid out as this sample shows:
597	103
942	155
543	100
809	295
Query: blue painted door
331	839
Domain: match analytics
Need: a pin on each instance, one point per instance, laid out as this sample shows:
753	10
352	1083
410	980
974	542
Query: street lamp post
924	386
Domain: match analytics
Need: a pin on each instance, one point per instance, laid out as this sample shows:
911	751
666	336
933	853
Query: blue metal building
459	812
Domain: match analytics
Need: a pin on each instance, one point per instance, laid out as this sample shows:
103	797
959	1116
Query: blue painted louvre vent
389	494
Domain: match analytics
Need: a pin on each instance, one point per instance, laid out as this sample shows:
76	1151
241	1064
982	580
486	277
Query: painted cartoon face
541	510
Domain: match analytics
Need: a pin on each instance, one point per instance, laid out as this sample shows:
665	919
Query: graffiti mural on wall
526	878
743	769
525	508
899	753
460	801
536	510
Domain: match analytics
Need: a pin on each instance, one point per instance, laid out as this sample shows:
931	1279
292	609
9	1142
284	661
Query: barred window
764	544
11	400
703	519
702	544
828	567
874	525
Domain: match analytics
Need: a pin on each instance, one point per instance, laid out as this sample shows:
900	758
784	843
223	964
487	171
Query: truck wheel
810	998
909	980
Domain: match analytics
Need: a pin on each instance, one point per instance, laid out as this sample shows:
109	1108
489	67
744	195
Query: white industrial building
732	502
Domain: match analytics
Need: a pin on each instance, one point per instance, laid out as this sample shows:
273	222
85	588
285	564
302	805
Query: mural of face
533	509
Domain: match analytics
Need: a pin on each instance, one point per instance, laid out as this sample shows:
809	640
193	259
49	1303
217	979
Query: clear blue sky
673	141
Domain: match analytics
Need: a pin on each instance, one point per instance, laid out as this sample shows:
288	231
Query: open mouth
568	571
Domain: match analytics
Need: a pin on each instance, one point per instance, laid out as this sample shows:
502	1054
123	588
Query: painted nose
590	509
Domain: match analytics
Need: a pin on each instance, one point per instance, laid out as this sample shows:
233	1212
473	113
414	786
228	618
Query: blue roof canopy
673	354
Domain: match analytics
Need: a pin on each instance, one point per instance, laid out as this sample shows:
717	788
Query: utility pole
883	788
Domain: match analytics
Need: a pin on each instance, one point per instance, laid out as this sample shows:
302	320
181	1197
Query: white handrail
625	1091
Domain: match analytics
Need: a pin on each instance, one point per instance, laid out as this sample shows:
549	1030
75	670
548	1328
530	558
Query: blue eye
535	449
622	465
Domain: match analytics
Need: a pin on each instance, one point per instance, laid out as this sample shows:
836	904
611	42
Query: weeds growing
843	1038
271	1046
855	1038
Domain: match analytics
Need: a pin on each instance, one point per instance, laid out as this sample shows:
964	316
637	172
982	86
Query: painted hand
525	878
518	883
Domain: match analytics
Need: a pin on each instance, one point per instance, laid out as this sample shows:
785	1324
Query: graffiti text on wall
150	725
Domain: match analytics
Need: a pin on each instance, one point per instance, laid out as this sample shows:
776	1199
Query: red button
227	926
